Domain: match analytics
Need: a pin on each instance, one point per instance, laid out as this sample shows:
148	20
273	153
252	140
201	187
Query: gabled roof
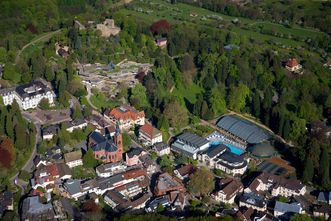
292	62
73	156
324	197
230	186
186	170
160	146
149	130
134	152
192	139
287	207
97	137
107	145
125	112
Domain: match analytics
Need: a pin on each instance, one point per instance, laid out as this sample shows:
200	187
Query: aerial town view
165	110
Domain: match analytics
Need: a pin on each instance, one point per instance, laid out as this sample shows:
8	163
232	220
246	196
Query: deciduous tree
201	182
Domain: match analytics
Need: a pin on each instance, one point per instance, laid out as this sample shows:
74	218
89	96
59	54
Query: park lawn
190	93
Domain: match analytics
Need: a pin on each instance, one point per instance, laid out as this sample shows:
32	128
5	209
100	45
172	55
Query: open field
178	13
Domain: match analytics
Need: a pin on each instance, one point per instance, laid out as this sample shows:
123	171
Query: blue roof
73	186
97	137
35	206
324	196
243	129
287	207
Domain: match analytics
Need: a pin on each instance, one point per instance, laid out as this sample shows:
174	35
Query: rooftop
253	199
149	130
192	140
243	129
73	156
287	207
32	89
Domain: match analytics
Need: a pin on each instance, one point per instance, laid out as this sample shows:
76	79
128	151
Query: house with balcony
228	190
149	135
73	159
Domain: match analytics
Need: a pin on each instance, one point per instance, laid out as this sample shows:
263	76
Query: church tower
118	142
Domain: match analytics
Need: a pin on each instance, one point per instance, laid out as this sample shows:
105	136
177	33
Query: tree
308	172
301	217
201	182
325	169
7	153
89	160
44	104
188	68
237	97
160	27
298	128
76	113
20	136
11	74
138	97
176	114
165	163
217	102
256	104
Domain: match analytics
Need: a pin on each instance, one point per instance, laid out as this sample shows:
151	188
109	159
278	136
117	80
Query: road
89	94
46	36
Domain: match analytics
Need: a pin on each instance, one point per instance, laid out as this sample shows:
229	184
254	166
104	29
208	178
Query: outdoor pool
233	149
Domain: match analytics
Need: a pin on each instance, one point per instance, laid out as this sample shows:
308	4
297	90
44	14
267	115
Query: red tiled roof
52	170
134	173
292	62
149	130
125	112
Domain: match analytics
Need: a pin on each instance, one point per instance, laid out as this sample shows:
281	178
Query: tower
118	142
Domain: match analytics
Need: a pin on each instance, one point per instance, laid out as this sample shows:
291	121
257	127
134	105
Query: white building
229	188
161	149
75	124
73	159
220	157
110	169
190	145
149	135
28	95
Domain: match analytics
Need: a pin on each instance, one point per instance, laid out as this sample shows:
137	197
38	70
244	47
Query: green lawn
177	13
83	172
189	93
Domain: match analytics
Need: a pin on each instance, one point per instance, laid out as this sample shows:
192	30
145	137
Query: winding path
43	37
89	94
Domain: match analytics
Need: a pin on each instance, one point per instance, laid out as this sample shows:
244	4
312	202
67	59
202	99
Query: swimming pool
233	149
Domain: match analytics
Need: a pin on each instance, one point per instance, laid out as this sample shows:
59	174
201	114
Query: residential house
132	156
161	42
6	202
107	149
184	171
323	211
190	145
125	116
108	28
76	189
130	196
147	163
276	185
163	201
40	161
110	169
293	65
252	200
249	214
220	157
61	50
73	159
75	124
28	95
46	176
229	188
286	210
161	148
324	197
49	132
33	209
149	135
166	184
